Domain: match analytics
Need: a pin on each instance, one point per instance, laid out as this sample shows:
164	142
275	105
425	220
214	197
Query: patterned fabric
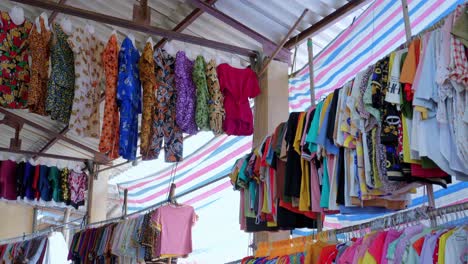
109	142
185	116
164	121
84	119
199	77
78	184
14	67
216	102
148	81
128	99
459	67
39	44
65	194
61	86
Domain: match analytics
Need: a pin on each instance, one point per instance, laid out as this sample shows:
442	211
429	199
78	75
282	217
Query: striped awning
377	32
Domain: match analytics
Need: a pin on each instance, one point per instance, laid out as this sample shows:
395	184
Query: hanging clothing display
199	77
148	81
61	85
186	94
128	99
179	95
157	237
238	85
39	43
45	249
87	50
109	142
216	100
367	144
41	183
165	126
14	66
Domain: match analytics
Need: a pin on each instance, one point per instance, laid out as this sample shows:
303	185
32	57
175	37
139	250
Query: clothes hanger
43	15
150	41
132	38
66	25
17	15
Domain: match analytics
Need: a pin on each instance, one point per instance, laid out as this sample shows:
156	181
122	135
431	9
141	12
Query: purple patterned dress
186	94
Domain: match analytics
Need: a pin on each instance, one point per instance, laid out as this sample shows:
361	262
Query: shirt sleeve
254	87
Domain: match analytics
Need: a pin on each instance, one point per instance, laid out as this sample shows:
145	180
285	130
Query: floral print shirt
78	182
128	99
216	101
109	142
39	43
186	95
14	67
61	86
202	117
87	49
148	80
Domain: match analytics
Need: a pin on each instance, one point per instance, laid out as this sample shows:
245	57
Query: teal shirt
325	195
312	134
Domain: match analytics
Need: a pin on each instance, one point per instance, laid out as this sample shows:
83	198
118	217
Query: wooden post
404	4
311	71
125	204
66	218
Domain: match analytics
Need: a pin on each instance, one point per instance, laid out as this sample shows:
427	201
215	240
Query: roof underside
270	18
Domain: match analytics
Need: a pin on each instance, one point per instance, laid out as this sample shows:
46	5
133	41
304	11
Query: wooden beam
197	12
280	46
284	54
46	155
325	22
147	29
55	13
99	157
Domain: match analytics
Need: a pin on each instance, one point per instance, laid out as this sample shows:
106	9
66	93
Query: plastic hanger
132	38
17	15
150	41
66	25
89	28
43	15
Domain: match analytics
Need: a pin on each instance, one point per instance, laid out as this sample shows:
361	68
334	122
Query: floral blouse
78	183
61	86
202	116
148	80
14	67
84	119
128	99
40	50
216	102
109	142
185	107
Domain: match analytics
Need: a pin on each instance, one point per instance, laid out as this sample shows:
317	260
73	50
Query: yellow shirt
304	195
442	244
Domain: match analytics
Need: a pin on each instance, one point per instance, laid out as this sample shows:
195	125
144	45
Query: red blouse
237	85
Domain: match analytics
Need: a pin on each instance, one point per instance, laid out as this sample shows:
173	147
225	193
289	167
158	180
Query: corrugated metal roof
271	18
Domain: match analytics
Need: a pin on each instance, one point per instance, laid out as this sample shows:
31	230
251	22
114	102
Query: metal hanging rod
41	154
405	217
116	21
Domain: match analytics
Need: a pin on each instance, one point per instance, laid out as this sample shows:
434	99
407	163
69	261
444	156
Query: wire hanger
172	186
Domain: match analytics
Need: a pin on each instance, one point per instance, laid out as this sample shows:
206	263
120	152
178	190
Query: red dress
237	85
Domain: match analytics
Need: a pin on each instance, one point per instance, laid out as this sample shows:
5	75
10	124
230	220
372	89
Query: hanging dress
14	66
40	51
128	99
84	119
61	86
164	121
186	94
109	142
216	101
148	81
199	77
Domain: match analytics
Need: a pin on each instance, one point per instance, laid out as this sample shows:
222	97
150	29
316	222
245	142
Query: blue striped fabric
379	30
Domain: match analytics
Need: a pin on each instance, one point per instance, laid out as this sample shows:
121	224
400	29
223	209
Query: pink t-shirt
176	224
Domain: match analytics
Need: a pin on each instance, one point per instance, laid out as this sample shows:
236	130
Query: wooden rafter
325	22
268	45
197	12
117	21
55	13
